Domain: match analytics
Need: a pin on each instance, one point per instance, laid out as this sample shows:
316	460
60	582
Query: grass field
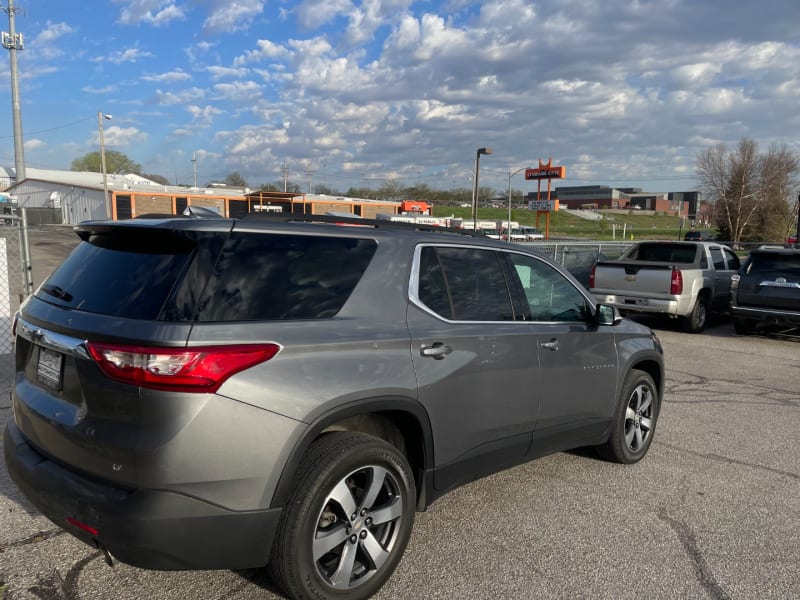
640	226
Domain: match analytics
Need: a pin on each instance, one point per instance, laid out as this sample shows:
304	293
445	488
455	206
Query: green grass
645	226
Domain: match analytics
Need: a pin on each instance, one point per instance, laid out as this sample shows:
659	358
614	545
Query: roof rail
358	221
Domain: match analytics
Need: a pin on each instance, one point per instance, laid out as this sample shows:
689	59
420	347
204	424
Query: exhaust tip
106	554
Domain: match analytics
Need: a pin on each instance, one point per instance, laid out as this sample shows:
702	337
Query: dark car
767	289
209	393
696	235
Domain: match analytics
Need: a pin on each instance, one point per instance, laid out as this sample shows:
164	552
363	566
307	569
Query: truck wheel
347	521
743	326
695	321
635	420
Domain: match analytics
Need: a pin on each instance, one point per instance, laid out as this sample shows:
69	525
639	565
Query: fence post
25	251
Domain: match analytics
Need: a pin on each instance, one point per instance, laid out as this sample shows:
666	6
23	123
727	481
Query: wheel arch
653	368
402	422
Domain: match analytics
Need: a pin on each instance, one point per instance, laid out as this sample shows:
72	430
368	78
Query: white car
531	234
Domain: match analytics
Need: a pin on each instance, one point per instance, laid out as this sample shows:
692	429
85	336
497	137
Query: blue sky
350	93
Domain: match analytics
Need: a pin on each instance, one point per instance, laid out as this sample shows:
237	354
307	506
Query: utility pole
194	167
309	175
12	41
285	176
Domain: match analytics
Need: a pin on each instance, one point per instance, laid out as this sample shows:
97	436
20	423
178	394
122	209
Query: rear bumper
767	315
150	529
644	304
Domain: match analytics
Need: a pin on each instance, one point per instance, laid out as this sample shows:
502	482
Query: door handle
551	345
438	350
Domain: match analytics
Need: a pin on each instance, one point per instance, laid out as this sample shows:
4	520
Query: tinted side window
464	284
275	277
551	297
123	274
716	257
733	261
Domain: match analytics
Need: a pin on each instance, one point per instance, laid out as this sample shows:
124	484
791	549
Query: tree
750	190
157	178
116	162
235	180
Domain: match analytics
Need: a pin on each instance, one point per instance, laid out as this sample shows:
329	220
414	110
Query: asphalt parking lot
711	512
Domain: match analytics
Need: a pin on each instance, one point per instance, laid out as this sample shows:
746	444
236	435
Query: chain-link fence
579	257
14	264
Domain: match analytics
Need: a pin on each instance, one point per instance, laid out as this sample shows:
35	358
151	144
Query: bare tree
750	190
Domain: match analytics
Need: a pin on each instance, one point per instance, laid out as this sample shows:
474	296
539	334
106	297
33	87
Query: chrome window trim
413	284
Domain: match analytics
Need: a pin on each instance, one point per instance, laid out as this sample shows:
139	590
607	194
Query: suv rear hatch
131	282
771	279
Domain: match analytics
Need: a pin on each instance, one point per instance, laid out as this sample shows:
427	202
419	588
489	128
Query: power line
27	133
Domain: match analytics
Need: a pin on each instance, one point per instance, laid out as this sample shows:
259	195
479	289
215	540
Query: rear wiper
56	291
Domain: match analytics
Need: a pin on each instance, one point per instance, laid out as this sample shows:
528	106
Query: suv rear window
277	277
774	263
677	253
119	275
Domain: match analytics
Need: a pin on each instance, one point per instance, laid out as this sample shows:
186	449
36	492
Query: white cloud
168	77
103	90
118	57
218	73
181	97
266	50
51	33
229	17
154	12
241	91
312	14
34	144
120	136
203	115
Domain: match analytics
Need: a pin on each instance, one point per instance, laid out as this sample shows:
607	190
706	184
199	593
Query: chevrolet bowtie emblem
630	278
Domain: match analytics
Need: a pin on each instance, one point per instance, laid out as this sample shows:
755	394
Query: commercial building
605	197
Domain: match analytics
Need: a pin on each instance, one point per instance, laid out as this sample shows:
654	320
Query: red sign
546	173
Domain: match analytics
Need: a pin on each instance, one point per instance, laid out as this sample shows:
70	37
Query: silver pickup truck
681	279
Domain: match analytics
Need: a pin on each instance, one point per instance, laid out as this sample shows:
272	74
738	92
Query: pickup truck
684	280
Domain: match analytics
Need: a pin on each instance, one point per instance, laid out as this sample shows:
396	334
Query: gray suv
206	393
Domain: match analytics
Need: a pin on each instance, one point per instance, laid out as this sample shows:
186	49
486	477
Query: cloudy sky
357	92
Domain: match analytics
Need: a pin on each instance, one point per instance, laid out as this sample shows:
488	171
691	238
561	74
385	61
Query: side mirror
607	315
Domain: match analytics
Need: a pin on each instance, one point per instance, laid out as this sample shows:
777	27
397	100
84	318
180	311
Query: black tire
743	326
634	420
695	321
328	545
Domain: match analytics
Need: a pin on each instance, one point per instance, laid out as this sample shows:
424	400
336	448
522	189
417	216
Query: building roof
116	182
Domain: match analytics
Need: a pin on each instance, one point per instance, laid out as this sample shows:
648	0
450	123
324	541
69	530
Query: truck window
733	261
719	261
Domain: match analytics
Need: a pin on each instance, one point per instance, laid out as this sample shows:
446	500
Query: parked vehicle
767	289
531	233
210	393
679	279
696	235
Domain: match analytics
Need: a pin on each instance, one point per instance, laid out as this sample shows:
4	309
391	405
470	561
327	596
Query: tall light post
475	185
508	224
100	117
12	41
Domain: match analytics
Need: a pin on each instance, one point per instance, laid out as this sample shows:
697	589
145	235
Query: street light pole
100	117
508	224
12	41
475	185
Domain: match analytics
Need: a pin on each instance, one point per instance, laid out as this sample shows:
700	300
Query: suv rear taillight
202	369
676	283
